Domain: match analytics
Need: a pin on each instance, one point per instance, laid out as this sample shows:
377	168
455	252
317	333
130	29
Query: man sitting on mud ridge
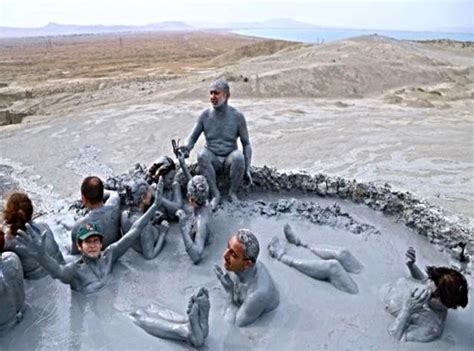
251	291
222	125
105	215
89	273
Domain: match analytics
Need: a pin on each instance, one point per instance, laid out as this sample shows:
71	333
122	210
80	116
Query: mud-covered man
249	288
222	125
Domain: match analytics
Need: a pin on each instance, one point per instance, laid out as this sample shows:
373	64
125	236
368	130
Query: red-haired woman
421	313
17	212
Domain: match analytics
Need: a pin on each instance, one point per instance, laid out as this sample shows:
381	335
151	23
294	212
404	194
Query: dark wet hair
92	189
451	286
2	240
161	167
18	211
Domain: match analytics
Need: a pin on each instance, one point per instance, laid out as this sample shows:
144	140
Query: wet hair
2	241
451	286
92	189
220	85
161	167
18	211
138	188
198	189
250	244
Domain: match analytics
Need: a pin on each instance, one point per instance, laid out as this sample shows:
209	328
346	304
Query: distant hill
279	23
52	29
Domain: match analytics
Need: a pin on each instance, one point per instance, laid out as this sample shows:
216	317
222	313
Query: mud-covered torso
12	291
31	267
90	274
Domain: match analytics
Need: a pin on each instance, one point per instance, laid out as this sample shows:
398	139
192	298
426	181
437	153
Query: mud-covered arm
184	166
246	146
36	244
195	247
195	134
119	248
414	303
251	309
415	271
111	198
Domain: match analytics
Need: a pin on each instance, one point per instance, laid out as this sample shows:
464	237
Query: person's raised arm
194	136
415	271
119	248
35	242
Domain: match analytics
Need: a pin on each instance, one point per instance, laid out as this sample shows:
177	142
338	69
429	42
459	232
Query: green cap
87	230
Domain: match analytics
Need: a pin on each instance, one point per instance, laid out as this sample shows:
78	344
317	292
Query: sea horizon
322	35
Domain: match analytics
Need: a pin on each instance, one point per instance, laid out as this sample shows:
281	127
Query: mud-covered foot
204	307
233	197
290	235
196	335
164	227
216	200
275	249
139	316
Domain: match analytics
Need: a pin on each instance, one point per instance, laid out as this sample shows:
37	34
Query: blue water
321	35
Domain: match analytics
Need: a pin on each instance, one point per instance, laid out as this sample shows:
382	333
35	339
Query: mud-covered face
90	246
234	256
218	97
148	197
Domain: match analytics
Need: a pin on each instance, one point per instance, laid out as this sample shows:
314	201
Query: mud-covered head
2	240
92	191
242	251
89	240
219	93
141	193
17	212
198	190
163	167
451	286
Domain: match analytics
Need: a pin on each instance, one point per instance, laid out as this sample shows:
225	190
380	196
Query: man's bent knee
235	157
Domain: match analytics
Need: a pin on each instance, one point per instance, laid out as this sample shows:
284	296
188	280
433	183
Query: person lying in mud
249	289
89	273
105	215
12	290
420	313
333	264
153	235
222	125
164	323
195	218
18	212
165	168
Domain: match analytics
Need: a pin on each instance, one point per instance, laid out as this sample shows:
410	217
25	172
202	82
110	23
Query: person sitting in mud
165	168
17	213
420	313
105	215
12	290
89	273
333	265
222	125
164	323
153	235
250	291
195	218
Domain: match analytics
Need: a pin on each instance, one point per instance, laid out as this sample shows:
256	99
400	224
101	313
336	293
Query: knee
204	157
334	267
236	157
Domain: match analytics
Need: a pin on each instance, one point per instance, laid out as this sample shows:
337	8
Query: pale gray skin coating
107	218
164	323
195	219
12	291
222	125
418	316
249	294
152	236
32	269
88	274
334	265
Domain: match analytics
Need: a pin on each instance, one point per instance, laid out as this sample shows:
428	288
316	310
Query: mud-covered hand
410	256
182	152
224	278
248	181
417	299
32	239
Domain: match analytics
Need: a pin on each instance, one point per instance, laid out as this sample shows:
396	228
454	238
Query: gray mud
312	314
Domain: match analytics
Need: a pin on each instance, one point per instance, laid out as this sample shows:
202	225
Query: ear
228	95
79	246
248	264
84	200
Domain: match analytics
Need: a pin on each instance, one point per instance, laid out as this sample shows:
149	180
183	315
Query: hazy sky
375	14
